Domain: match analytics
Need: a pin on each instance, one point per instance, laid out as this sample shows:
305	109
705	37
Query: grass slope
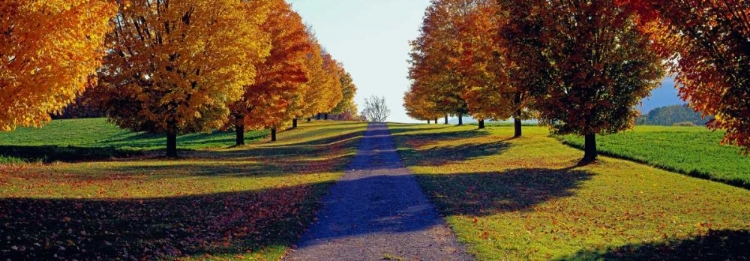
251	202
690	150
525	199
95	139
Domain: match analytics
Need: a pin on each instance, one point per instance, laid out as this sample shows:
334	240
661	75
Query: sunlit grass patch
95	139
525	198
250	202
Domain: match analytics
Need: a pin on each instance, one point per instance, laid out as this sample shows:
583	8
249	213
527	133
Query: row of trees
580	67
165	66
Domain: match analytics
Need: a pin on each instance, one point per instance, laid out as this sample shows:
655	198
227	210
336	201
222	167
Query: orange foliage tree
435	57
707	44
268	103
48	50
483	63
599	66
174	66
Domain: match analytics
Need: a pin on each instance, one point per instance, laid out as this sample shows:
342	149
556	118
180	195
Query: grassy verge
251	202
525	199
95	139
693	151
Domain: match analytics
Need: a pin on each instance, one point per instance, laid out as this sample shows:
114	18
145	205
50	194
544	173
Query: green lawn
249	202
525	199
689	150
86	139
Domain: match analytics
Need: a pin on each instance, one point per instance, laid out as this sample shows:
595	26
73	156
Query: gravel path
377	211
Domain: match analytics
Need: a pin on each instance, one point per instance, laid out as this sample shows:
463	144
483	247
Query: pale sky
370	37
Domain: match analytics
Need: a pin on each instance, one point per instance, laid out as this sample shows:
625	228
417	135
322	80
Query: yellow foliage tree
346	108
323	91
48	50
175	66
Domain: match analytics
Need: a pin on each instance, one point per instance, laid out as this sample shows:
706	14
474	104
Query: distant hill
665	95
671	115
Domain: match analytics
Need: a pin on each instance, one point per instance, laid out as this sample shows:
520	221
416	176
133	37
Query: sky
371	38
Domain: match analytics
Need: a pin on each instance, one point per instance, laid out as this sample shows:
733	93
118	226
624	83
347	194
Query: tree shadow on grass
73	154
488	193
48	154
716	245
227	168
138	229
425	134
445	154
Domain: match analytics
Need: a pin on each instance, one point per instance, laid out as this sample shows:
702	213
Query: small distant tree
375	109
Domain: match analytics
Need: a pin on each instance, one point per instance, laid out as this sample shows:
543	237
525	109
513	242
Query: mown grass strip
693	151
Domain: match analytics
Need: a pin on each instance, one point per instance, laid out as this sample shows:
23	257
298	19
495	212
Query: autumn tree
332	92
483	63
346	106
268	103
520	33
419	107
323	90
599	67
48	51
174	66
707	45
434	57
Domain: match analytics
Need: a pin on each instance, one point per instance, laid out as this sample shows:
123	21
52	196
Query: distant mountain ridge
664	95
672	115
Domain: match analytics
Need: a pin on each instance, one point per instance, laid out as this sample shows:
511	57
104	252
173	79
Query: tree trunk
171	139
517	125
429	122
318	116
589	149
446	119
460	119
436	120
294	123
239	129
273	134
481	124
325	116
517	116
309	119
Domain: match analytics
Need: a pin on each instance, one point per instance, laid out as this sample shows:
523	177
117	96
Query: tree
268	102
521	34
419	107
349	90
375	109
706	42
324	88
175	66
599	67
483	62
333	91
434	57
48	51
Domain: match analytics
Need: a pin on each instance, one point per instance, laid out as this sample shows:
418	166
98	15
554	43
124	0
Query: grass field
95	139
525	199
251	202
689	150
